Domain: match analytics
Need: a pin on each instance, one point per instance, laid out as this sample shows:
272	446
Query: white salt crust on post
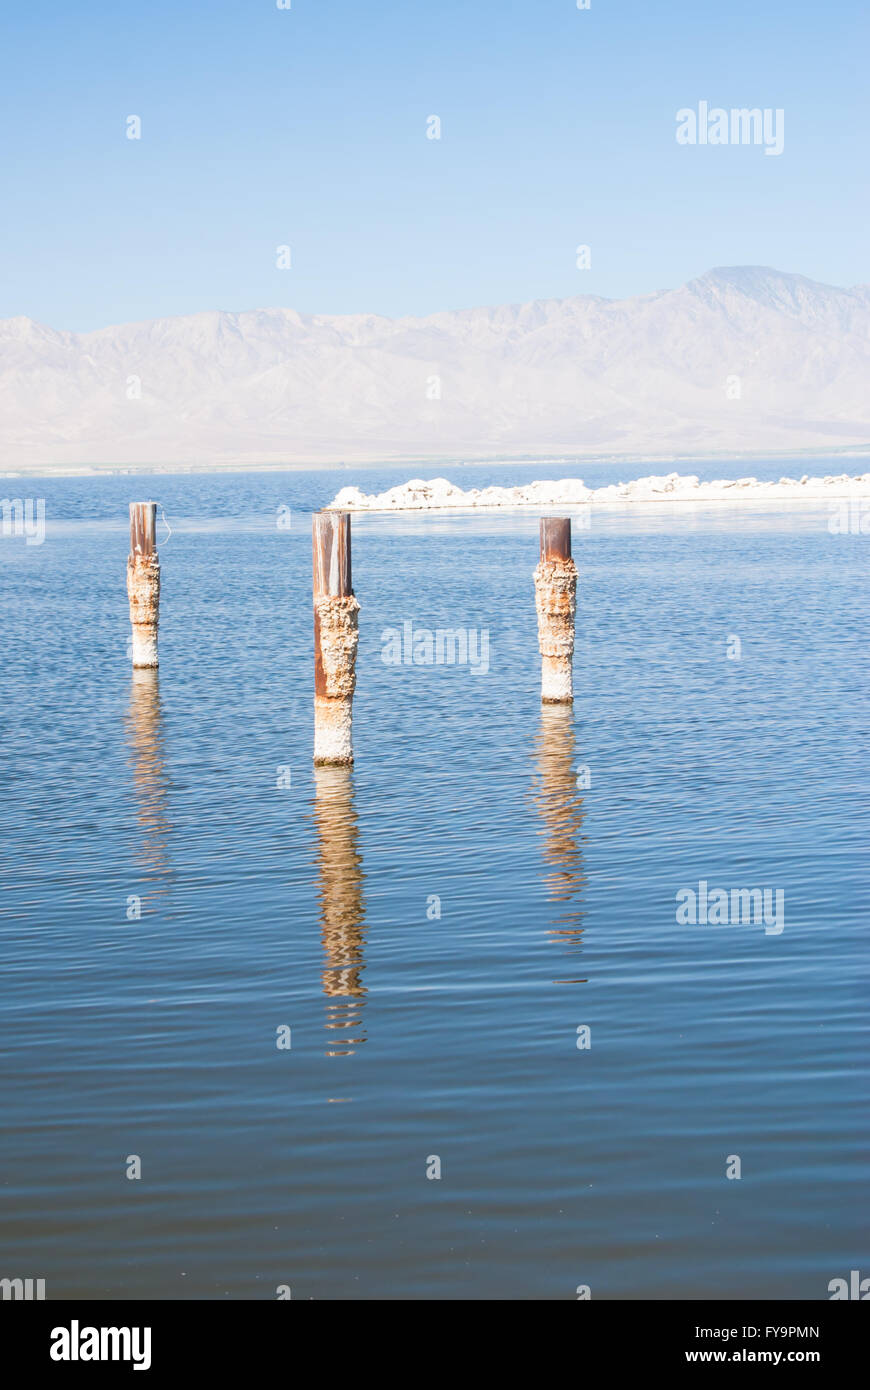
556	604
338	620
143	591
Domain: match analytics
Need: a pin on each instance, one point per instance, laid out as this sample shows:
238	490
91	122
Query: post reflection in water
342	913
560	807
145	742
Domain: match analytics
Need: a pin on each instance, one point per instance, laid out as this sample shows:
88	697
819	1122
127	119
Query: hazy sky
307	127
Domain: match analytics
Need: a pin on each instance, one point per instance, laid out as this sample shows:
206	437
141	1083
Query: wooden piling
335	639
143	583
556	603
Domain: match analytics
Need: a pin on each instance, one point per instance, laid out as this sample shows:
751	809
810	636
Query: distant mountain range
742	359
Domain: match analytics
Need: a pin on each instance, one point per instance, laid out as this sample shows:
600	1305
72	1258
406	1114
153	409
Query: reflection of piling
149	775
143	582
556	602
342	915
561	811
335	639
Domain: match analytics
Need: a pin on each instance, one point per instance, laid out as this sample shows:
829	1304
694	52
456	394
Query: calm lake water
554	847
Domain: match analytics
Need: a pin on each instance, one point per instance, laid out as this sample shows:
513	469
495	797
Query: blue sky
264	127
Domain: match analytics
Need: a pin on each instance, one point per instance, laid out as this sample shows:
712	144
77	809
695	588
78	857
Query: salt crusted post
335	640
556	602
143	582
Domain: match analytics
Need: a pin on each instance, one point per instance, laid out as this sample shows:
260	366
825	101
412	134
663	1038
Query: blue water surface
434	926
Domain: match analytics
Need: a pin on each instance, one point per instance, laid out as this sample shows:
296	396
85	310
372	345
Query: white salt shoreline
439	494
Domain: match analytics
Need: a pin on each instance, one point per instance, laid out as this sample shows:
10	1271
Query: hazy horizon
742	360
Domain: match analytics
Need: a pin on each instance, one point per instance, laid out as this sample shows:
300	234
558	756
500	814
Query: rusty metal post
556	602
335	639
143	582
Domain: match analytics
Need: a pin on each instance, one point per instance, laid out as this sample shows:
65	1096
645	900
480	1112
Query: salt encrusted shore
418	495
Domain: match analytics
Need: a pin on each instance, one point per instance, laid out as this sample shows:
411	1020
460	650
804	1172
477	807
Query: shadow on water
144	722
342	913
560	807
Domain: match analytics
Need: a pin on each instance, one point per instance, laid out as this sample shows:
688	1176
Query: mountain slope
742	358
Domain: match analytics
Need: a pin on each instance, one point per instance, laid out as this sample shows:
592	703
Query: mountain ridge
740	358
